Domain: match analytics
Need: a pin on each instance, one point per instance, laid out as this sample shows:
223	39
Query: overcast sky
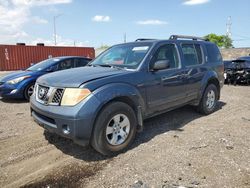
100	22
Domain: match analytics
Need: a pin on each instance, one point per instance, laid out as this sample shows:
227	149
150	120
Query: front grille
57	96
49	95
42	93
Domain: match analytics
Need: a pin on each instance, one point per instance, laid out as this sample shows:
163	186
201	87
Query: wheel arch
121	93
216	82
210	78
26	84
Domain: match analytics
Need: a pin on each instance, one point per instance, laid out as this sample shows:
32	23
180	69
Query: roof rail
175	37
138	40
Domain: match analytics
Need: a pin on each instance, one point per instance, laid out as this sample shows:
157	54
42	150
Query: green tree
221	40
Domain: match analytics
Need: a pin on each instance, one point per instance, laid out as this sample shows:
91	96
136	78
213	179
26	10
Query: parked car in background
105	103
237	71
21	84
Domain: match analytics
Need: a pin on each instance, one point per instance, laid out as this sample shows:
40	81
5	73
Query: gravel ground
179	148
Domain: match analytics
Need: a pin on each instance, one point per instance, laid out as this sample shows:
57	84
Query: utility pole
125	37
55	35
229	27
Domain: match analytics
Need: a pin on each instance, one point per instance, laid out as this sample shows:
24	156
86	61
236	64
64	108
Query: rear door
193	60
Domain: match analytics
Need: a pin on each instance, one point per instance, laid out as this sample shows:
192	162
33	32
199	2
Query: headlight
17	80
72	96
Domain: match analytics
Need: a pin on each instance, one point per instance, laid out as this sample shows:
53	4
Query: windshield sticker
140	48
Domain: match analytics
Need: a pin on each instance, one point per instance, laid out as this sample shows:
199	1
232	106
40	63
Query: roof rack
138	40
175	37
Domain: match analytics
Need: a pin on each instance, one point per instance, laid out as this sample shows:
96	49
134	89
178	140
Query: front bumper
10	91
234	76
75	123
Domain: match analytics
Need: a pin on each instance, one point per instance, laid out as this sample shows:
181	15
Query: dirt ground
177	149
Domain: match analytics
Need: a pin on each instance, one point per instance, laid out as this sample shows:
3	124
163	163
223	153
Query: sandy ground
179	148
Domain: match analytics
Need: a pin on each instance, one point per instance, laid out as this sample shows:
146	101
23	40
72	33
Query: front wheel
209	100
114	129
29	91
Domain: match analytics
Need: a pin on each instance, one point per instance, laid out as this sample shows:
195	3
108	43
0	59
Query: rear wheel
29	91
114	129
209	100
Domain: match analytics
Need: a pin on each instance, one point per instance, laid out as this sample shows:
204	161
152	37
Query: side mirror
161	64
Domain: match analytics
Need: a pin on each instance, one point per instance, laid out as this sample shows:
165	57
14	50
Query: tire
209	100
27	91
115	129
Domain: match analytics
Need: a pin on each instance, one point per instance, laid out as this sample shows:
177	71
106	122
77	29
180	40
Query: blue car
20	84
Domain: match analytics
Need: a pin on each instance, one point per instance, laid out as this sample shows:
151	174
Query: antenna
229	27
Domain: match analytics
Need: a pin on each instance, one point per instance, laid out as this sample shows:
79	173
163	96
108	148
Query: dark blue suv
105	103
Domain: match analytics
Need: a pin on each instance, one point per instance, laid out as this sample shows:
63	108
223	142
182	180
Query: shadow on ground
171	121
4	100
75	175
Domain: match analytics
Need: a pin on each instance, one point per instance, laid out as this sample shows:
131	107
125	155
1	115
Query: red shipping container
17	57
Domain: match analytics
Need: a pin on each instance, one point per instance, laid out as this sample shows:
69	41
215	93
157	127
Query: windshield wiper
107	65
104	65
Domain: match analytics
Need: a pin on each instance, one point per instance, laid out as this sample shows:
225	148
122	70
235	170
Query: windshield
127	56
43	65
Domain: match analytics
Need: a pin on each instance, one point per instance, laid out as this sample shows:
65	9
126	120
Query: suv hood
77	76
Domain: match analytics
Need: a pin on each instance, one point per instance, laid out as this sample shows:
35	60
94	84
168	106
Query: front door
165	87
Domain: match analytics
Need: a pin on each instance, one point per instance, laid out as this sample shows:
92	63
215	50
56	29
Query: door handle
164	78
184	76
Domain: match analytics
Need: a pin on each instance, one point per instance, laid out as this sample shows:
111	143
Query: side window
167	52
213	53
199	53
66	64
192	54
80	62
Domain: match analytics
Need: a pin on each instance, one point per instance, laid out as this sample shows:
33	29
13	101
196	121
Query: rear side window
199	53
66	64
213	53
81	62
192	54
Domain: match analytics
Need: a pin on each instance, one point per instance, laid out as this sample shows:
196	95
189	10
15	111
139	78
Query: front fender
25	83
111	91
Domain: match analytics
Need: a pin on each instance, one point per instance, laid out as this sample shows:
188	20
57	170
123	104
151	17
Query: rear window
213	53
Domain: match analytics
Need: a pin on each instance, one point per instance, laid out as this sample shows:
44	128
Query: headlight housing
17	80
73	96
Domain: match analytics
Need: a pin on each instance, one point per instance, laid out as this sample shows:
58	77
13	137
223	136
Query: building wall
233	53
98	51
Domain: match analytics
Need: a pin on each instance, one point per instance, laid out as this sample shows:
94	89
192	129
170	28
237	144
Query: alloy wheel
210	99
117	129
